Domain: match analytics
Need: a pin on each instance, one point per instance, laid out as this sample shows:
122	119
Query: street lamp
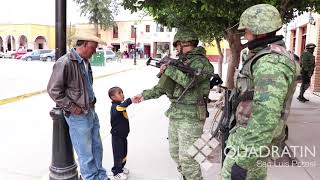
63	166
135	45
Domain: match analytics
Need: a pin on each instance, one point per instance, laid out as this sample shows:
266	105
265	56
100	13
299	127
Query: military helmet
260	19
310	46
184	35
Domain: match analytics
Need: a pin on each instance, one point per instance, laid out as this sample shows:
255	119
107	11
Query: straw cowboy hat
88	37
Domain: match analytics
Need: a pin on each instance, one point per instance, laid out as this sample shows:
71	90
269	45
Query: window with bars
160	28
133	33
147	28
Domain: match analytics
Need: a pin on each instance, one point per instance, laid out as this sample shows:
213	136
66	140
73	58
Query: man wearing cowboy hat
70	87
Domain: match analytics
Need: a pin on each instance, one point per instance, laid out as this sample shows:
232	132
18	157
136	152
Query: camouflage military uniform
307	67
263	95
186	116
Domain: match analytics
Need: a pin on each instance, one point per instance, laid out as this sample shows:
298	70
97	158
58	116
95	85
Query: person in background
307	67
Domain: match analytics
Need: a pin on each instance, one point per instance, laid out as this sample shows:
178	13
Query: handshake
137	98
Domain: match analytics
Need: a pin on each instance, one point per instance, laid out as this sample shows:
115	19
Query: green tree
215	19
99	12
71	31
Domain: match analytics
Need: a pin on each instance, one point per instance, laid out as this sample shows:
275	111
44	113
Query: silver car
109	55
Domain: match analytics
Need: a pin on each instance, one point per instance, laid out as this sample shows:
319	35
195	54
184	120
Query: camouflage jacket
188	104
307	63
270	75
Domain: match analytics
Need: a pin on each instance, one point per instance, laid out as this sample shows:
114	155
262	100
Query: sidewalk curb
316	93
31	94
293	158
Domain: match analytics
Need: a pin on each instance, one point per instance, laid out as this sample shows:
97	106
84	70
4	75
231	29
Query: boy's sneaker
125	171
120	176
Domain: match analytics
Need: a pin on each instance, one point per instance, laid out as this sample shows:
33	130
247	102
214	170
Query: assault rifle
226	123
214	78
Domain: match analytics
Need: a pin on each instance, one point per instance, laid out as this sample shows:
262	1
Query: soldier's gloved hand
238	173
163	67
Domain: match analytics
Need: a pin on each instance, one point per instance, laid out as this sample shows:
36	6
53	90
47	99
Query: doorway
147	51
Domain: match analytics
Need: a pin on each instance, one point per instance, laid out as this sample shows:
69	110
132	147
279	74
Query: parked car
21	52
35	55
8	54
109	55
2	55
50	56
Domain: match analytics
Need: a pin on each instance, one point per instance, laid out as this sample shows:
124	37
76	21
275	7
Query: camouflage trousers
258	172
182	134
305	83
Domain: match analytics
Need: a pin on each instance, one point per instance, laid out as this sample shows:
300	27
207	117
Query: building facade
150	38
129	31
26	36
301	31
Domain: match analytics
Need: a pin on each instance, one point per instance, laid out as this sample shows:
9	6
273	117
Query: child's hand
137	98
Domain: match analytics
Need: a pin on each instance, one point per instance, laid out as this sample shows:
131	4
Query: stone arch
1	45
23	42
10	43
40	42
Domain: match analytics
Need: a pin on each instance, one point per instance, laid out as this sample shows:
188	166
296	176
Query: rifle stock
226	122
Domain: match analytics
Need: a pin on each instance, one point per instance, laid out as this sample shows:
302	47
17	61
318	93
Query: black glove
238	173
216	80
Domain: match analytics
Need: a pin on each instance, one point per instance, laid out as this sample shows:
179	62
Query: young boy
119	130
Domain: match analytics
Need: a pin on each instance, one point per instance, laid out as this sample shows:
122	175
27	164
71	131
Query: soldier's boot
301	99
305	98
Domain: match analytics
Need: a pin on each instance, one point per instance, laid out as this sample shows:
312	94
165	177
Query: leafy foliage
213	18
71	31
99	12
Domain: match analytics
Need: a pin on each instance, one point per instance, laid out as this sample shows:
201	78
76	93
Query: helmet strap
262	42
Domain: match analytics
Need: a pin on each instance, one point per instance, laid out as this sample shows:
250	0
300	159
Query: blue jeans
86	140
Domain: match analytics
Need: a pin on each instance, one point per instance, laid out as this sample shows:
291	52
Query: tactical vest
244	91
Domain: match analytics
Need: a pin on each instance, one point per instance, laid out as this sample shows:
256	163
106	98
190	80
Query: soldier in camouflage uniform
188	114
262	97
307	67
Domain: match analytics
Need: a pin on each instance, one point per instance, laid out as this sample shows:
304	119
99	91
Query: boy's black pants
120	148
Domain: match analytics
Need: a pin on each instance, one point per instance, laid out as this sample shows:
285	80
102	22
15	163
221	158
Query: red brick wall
315	82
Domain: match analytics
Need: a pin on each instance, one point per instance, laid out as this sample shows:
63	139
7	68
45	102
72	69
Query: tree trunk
236	47
220	58
69	35
220	61
96	27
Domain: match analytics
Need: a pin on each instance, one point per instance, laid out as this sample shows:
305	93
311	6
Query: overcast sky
36	12
43	12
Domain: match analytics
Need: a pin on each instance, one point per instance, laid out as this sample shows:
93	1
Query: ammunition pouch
202	110
167	85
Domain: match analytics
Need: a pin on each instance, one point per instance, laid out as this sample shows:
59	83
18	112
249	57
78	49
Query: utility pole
135	46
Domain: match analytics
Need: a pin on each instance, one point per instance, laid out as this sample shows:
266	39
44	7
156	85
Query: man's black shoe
301	99
305	99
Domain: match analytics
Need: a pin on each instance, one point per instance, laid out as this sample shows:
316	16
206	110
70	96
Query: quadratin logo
202	148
